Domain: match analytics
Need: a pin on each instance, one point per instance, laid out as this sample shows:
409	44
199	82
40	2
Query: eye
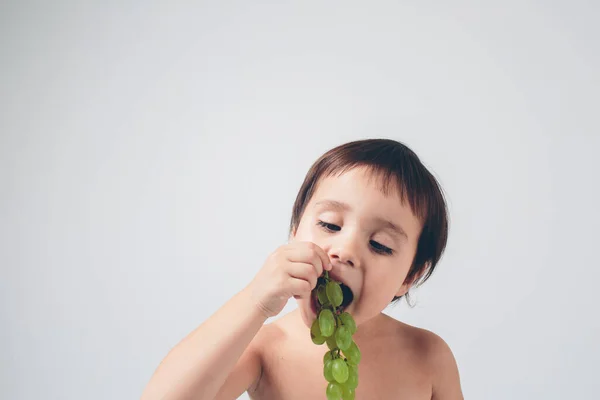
329	227
381	249
377	247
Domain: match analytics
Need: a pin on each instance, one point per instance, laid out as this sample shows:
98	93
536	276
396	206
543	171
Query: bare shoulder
438	358
430	345
269	337
259	346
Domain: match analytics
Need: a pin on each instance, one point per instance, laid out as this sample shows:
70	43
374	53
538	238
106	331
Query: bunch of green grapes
336	329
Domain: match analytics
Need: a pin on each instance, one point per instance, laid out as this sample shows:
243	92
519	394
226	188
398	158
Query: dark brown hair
398	165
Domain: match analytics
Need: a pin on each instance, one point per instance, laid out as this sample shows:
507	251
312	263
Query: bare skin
399	362
343	230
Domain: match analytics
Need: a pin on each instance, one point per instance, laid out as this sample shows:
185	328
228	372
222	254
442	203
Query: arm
216	352
446	379
218	359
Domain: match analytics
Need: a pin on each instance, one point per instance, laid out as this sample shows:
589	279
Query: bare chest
291	372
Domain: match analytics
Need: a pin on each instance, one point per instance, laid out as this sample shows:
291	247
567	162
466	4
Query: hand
291	270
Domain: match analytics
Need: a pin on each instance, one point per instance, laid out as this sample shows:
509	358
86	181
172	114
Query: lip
336	277
333	275
352	298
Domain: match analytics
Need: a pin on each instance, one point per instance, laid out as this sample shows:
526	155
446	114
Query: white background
150	155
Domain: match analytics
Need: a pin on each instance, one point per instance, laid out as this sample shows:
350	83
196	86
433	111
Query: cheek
382	291
383	285
307	232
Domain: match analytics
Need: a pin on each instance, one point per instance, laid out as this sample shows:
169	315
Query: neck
370	329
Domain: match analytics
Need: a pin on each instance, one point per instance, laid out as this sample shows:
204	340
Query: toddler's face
353	221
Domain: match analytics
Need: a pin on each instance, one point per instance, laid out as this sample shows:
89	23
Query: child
371	215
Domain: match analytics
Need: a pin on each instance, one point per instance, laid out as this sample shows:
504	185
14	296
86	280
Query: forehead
361	183
365	193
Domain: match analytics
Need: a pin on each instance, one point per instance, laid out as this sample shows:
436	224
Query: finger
315	252
300	288
304	271
322	256
306	253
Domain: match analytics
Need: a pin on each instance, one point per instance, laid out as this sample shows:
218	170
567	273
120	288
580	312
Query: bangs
394	168
404	182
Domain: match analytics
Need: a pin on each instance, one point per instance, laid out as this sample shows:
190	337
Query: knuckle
274	255
306	286
315	273
281	250
318	264
308	271
318	259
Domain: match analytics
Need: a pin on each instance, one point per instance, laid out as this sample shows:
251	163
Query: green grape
322	296
319	340
327	372
314	328
352	368
331	343
347	393
334	391
348	322
343	338
326	322
334	293
336	330
315	333
352	381
339	369
353	353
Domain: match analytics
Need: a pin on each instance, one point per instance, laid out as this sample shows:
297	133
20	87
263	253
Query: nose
344	260
345	249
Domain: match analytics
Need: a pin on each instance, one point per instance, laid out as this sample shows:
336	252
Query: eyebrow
340	206
390	226
336	205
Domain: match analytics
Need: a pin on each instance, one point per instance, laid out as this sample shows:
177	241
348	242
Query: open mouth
347	299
